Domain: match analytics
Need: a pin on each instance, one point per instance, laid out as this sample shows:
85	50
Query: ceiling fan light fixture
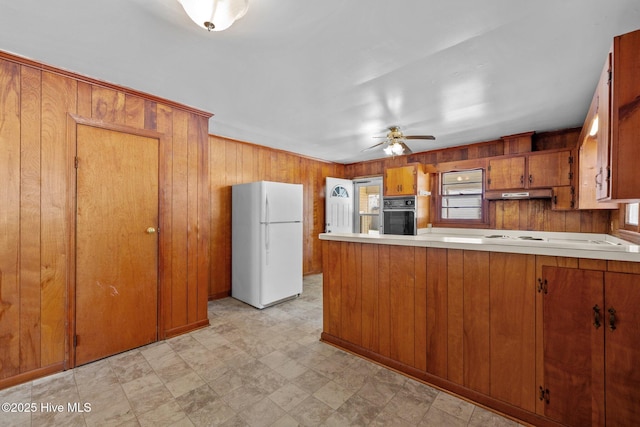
394	149
215	15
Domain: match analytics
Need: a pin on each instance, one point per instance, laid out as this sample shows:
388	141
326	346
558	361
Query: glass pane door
368	199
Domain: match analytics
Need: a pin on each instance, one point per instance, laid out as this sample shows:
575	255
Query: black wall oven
399	215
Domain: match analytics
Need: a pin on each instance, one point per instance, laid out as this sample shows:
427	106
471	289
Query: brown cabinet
513	331
618	114
549	169
405	181
590	349
506	173
535	170
541	174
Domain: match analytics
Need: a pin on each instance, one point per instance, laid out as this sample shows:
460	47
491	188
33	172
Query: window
461	196
631	214
630	223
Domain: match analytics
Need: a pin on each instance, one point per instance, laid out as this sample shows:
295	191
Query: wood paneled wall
234	162
37	214
533	215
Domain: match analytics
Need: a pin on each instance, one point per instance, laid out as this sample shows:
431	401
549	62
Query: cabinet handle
542	285
612	318
596	316
530	179
544	394
598	183
521	179
555	200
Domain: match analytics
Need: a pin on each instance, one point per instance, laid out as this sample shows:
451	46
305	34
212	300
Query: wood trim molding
186	328
31	375
96	82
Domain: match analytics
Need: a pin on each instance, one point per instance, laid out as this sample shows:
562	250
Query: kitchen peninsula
519	321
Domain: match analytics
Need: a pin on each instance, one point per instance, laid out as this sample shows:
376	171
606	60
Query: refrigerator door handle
266	230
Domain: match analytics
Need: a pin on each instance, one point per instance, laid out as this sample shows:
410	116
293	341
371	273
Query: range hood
538	193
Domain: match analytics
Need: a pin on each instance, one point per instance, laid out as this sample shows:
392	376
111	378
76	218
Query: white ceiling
322	78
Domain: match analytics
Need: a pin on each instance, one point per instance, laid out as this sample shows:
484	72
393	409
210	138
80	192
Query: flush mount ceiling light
215	15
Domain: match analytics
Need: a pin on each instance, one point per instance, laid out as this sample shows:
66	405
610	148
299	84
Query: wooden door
505	174
512	328
573	346
622	294
117	244
549	169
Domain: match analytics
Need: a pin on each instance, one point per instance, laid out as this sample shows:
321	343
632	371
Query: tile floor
249	368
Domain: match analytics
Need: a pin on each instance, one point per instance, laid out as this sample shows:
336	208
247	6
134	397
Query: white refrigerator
266	238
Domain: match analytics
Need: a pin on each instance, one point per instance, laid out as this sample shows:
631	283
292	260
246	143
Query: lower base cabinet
535	337
591	350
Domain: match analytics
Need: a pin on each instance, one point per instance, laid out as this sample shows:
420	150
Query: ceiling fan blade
373	146
420	137
406	148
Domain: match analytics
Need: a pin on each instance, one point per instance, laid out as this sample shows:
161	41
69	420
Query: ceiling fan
395	141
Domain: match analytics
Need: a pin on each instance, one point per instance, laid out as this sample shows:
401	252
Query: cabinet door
625	118
512	328
400	181
573	346
563	198
622	294
550	169
603	170
504	174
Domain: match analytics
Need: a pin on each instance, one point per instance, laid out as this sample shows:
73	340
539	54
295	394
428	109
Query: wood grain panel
476	321
58	98
203	226
192	217
384	307
455	316
165	168
420	309
179	220
9	217
370	297
134	111
402	299
351	292
437	312
331	287
220	269
108	105
84	97
30	164
512	299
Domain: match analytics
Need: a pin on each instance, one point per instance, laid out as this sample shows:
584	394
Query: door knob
151	230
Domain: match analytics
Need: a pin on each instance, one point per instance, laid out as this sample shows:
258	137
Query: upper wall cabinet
405	181
614	121
534	170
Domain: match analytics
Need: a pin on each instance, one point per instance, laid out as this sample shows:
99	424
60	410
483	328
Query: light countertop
579	245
